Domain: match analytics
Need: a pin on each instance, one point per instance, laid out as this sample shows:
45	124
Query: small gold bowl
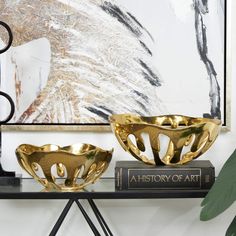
71	162
182	131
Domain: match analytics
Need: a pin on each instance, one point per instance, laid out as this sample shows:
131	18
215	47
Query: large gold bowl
71	162
198	134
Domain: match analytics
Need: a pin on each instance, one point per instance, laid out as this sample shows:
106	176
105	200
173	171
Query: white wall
160	217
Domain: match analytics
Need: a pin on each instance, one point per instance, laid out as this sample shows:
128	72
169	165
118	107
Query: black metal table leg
89	221
97	213
100	219
61	217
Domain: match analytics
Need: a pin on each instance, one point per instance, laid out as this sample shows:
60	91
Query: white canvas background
186	85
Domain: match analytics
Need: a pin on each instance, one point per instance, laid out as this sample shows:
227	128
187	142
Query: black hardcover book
135	175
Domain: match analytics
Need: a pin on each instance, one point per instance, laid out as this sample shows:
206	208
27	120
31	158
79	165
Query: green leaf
231	231
223	192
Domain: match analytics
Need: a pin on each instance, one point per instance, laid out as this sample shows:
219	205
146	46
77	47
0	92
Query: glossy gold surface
71	162
188	137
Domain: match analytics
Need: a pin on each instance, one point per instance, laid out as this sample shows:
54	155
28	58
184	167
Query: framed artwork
75	62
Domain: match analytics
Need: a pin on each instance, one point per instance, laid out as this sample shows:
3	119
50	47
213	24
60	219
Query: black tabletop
102	189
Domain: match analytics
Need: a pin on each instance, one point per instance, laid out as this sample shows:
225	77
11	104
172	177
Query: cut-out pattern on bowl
181	131
79	160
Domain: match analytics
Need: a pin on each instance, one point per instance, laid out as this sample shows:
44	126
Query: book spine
172	178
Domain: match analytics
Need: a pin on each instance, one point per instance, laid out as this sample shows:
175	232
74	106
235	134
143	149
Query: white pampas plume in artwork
100	61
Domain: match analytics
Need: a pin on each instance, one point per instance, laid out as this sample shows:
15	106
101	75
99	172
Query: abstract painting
79	61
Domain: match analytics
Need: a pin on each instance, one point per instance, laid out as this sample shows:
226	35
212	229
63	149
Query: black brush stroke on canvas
98	112
128	20
201	8
149	74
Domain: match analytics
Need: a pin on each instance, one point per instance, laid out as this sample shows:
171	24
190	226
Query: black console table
102	189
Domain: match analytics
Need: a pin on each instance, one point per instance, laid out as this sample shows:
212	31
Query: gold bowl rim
145	120
56	148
